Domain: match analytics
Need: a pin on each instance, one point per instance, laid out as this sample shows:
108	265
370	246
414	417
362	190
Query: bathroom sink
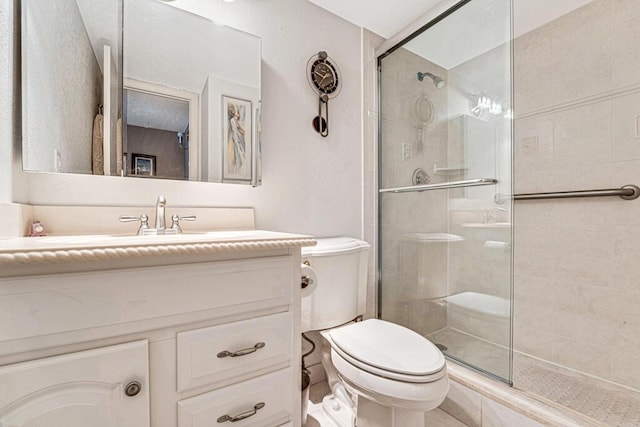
79	239
229	234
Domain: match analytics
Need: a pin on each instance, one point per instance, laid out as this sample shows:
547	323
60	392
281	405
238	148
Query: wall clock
324	78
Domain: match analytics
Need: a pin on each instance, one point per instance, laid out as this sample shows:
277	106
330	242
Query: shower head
440	83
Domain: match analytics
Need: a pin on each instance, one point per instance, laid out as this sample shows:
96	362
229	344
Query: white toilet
392	373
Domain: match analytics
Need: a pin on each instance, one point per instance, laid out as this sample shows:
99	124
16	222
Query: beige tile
583	253
533	141
533	251
624	37
497	415
628	331
533	71
529	339
624	369
578	298
581	41
583	357
464	404
596	211
626	246
593	330
534	215
440	418
625	140
583	177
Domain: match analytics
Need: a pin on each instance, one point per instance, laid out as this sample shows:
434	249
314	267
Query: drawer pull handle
242	352
243	415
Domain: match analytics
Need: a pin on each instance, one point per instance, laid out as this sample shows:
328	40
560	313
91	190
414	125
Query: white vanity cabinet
211	334
105	387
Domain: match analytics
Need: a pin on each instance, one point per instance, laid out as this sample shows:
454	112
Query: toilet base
331	412
372	414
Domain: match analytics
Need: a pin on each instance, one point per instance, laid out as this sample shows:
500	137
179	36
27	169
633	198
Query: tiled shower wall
577	275
414	135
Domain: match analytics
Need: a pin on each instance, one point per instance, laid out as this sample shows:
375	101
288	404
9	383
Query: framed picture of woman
237	140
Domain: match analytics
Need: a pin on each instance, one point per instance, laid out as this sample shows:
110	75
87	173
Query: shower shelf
441	185
449	169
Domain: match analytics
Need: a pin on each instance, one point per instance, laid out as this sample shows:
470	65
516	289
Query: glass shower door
445	180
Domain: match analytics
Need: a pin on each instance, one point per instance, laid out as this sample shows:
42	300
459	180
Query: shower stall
507	129
445	176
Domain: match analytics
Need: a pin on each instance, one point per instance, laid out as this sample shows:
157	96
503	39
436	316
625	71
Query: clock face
324	76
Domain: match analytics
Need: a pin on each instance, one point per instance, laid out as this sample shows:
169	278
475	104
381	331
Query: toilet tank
341	265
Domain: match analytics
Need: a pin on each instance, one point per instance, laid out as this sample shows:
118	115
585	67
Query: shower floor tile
600	400
474	351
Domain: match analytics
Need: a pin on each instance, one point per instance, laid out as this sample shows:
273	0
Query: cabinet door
78	390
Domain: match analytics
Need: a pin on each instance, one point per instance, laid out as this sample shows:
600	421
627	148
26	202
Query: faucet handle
175	221
143	219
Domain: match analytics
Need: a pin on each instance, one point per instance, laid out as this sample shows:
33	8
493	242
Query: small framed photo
237	139
143	164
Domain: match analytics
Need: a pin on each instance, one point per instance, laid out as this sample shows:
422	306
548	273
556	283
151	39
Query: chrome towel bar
628	192
441	185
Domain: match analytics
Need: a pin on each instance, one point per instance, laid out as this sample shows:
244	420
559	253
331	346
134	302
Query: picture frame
143	165
257	179
237	139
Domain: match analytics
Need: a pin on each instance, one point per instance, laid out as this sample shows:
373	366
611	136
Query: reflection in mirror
157	128
176	55
70	96
180	75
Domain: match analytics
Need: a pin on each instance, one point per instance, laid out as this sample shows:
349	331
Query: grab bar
628	192
441	185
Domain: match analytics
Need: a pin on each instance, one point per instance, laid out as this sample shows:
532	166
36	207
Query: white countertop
30	250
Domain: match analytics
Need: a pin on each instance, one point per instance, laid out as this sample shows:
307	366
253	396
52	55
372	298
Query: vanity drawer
269	395
235	349
131	300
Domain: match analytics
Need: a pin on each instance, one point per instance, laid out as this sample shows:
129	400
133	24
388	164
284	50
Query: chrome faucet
161	223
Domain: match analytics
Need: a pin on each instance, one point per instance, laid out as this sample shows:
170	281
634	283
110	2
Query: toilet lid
329	246
388	347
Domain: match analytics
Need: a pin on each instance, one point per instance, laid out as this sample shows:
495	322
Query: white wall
311	184
6	104
12	185
63	87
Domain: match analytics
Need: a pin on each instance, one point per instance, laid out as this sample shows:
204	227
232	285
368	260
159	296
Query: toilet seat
388	350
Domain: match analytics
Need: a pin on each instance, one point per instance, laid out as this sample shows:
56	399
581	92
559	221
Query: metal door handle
242	352
243	415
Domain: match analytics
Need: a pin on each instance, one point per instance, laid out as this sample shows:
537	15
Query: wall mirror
139	88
